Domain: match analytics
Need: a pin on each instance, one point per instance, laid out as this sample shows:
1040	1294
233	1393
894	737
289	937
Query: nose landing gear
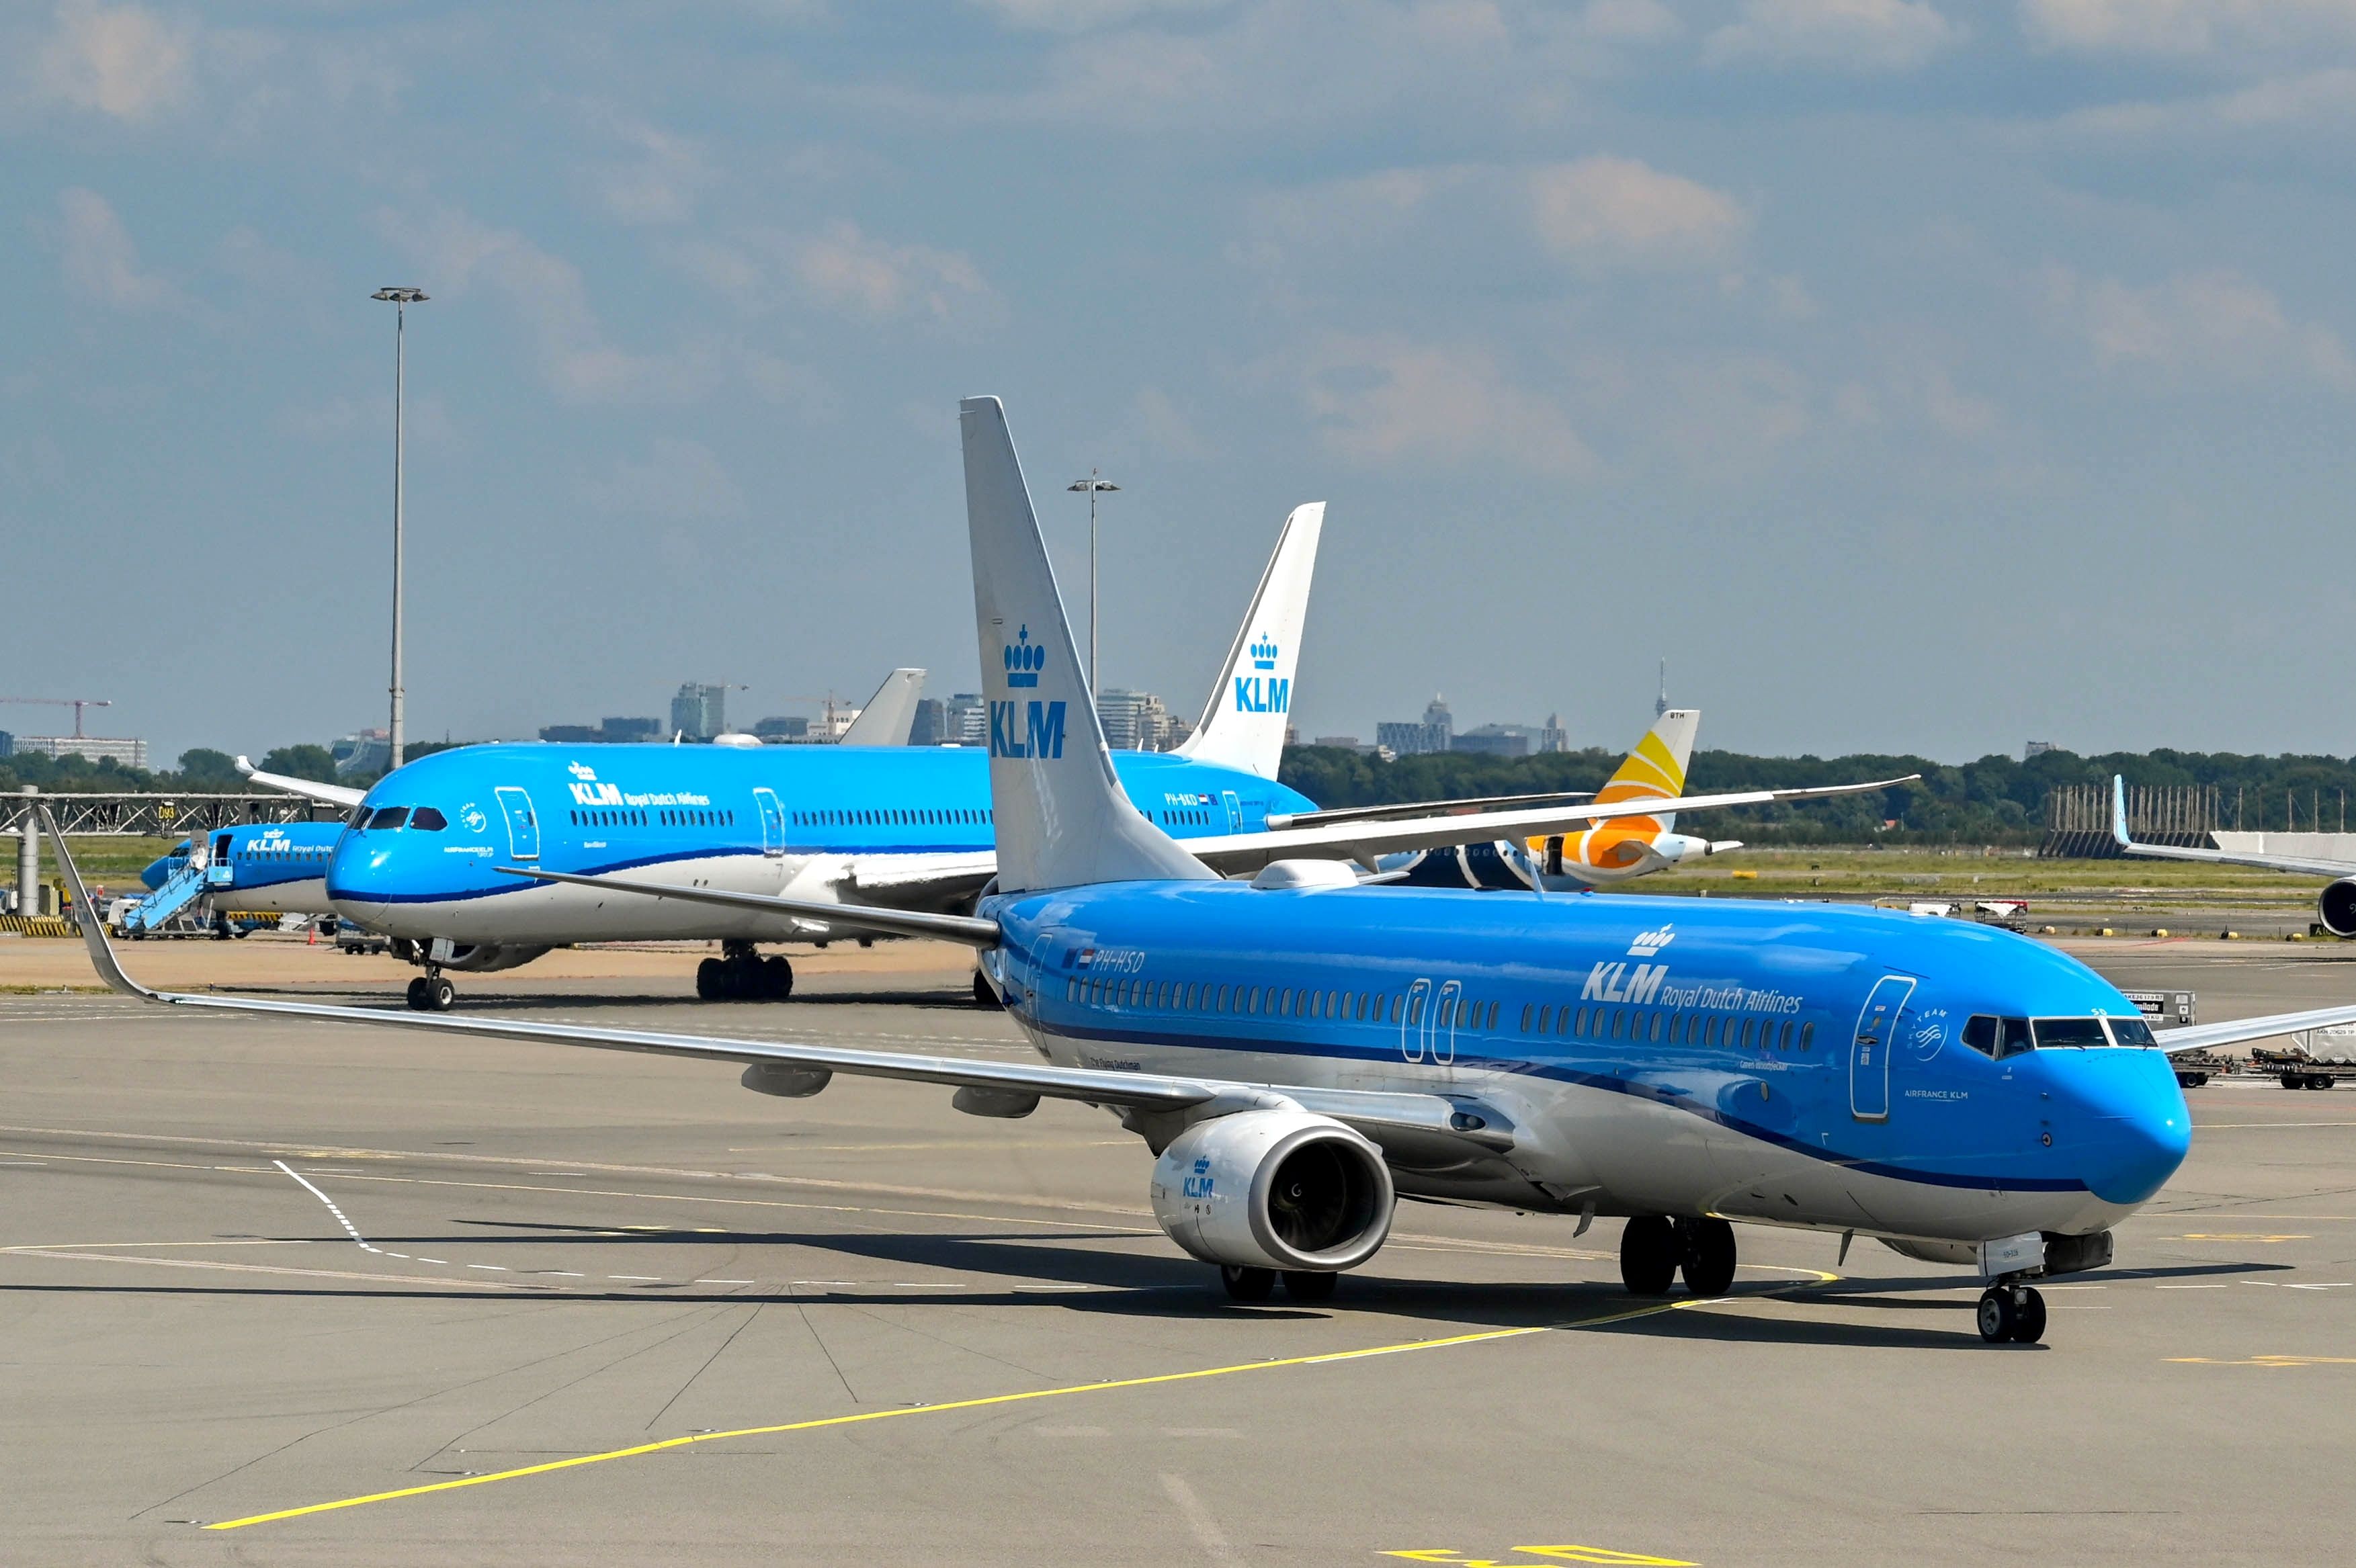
2011	1313
431	993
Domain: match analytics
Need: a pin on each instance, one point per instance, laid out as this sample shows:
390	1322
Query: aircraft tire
776	977
1310	1285
1997	1316
1247	1284
441	995
2029	1318
1709	1255
710	980
417	996
1648	1255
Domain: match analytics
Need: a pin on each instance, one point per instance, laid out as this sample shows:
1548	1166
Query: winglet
1250	708
2119	813
327	794
92	924
890	714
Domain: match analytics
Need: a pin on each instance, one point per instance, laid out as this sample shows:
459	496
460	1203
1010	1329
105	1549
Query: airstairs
181	888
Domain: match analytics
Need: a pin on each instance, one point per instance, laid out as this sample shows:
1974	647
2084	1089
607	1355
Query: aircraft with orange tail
1615	850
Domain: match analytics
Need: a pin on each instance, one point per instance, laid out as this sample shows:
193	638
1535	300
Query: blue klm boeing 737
1299	1050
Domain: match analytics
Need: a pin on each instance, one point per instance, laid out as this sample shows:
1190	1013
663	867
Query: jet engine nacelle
2337	907
1281	1190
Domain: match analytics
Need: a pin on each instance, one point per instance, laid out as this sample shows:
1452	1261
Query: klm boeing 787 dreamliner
863	827
1299	1050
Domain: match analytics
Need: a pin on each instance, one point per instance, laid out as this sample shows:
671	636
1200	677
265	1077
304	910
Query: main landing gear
1259	1283
2011	1313
740	975
430	993
1654	1250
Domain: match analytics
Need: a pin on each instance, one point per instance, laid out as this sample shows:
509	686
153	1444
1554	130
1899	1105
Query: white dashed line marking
330	1202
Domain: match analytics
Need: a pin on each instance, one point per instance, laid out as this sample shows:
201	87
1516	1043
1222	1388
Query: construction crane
76	703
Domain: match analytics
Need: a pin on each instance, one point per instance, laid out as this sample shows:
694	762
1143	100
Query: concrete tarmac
371	1297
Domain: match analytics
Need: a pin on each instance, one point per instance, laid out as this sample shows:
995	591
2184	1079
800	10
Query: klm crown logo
1024	659
1262	694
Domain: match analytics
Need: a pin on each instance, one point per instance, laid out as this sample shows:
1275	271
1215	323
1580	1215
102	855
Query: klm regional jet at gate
279	867
1299	1050
848	825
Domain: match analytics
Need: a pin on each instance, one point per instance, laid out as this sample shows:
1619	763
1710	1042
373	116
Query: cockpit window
359	817
390	816
2072	1034
1996	1036
2133	1031
427	819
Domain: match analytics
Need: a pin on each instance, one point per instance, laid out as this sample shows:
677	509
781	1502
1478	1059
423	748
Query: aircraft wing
2208	1037
2313	866
333	794
1239	853
1421	809
949	876
1426	1116
962	928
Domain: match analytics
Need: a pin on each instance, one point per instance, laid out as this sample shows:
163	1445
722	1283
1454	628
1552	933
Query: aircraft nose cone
359	876
2141	1134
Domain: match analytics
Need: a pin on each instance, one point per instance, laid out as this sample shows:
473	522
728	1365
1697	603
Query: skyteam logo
1263	693
471	817
1648	942
1024	660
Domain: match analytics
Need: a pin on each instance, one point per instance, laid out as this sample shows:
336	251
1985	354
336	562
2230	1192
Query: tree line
1998	800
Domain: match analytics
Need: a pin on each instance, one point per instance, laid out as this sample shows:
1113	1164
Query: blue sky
1915	375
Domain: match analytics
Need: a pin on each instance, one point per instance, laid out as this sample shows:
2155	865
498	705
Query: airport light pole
1095	487
400	299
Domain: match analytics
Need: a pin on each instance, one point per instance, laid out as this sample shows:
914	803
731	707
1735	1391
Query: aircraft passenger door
772	823
1871	1049
1414	1019
1441	1031
1235	810
523	828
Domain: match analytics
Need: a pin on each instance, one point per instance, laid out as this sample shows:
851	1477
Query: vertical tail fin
1656	768
1061	815
1252	706
890	714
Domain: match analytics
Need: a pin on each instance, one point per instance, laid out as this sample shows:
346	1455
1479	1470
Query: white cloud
2301	102
126	61
1394	400
679	479
847	268
2186	26
1083	16
456	253
2216	323
1630	21
660	184
1621	211
98	259
1844	35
